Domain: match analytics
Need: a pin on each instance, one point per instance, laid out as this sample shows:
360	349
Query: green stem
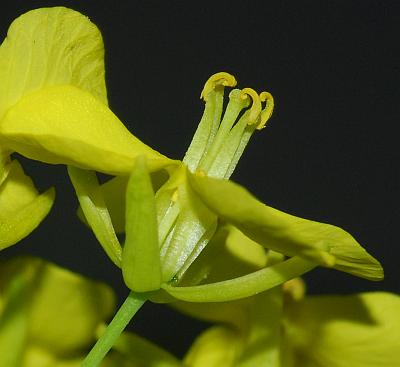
121	319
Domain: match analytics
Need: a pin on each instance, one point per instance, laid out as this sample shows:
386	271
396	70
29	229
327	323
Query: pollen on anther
200	173
222	78
266	113
255	109
175	196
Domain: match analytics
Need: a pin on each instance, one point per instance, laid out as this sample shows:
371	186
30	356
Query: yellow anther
268	109
294	289
175	196
200	173
221	78
255	109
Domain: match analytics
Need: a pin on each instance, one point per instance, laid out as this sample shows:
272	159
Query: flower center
185	223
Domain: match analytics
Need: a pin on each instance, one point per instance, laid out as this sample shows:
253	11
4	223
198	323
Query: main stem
121	319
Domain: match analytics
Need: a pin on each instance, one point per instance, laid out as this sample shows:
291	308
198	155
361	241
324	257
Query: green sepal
141	267
21	207
244	286
113	192
322	243
97	216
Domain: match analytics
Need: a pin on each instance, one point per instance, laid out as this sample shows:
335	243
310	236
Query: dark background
330	152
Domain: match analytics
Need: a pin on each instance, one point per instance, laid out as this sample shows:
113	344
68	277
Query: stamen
268	109
219	79
200	173
235	106
255	109
175	195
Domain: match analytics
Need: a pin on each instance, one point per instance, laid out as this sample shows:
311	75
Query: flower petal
13	321
264	330
323	243
141	267
4	164
216	347
359	331
35	356
21	207
136	351
51	46
63	309
66	125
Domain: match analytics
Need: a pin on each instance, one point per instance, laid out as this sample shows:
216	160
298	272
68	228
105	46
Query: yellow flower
53	108
48	315
53	99
172	221
22	208
359	330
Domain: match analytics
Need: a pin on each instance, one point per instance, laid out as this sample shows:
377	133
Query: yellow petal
325	244
66	125
137	352
216	347
36	356
341	331
63	309
51	46
4	164
67	309
21	207
13	320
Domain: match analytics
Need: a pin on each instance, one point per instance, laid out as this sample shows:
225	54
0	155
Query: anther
255	109
268	109
175	196
200	173
219	79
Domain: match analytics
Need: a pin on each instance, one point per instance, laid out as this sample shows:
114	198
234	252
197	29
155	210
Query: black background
330	152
